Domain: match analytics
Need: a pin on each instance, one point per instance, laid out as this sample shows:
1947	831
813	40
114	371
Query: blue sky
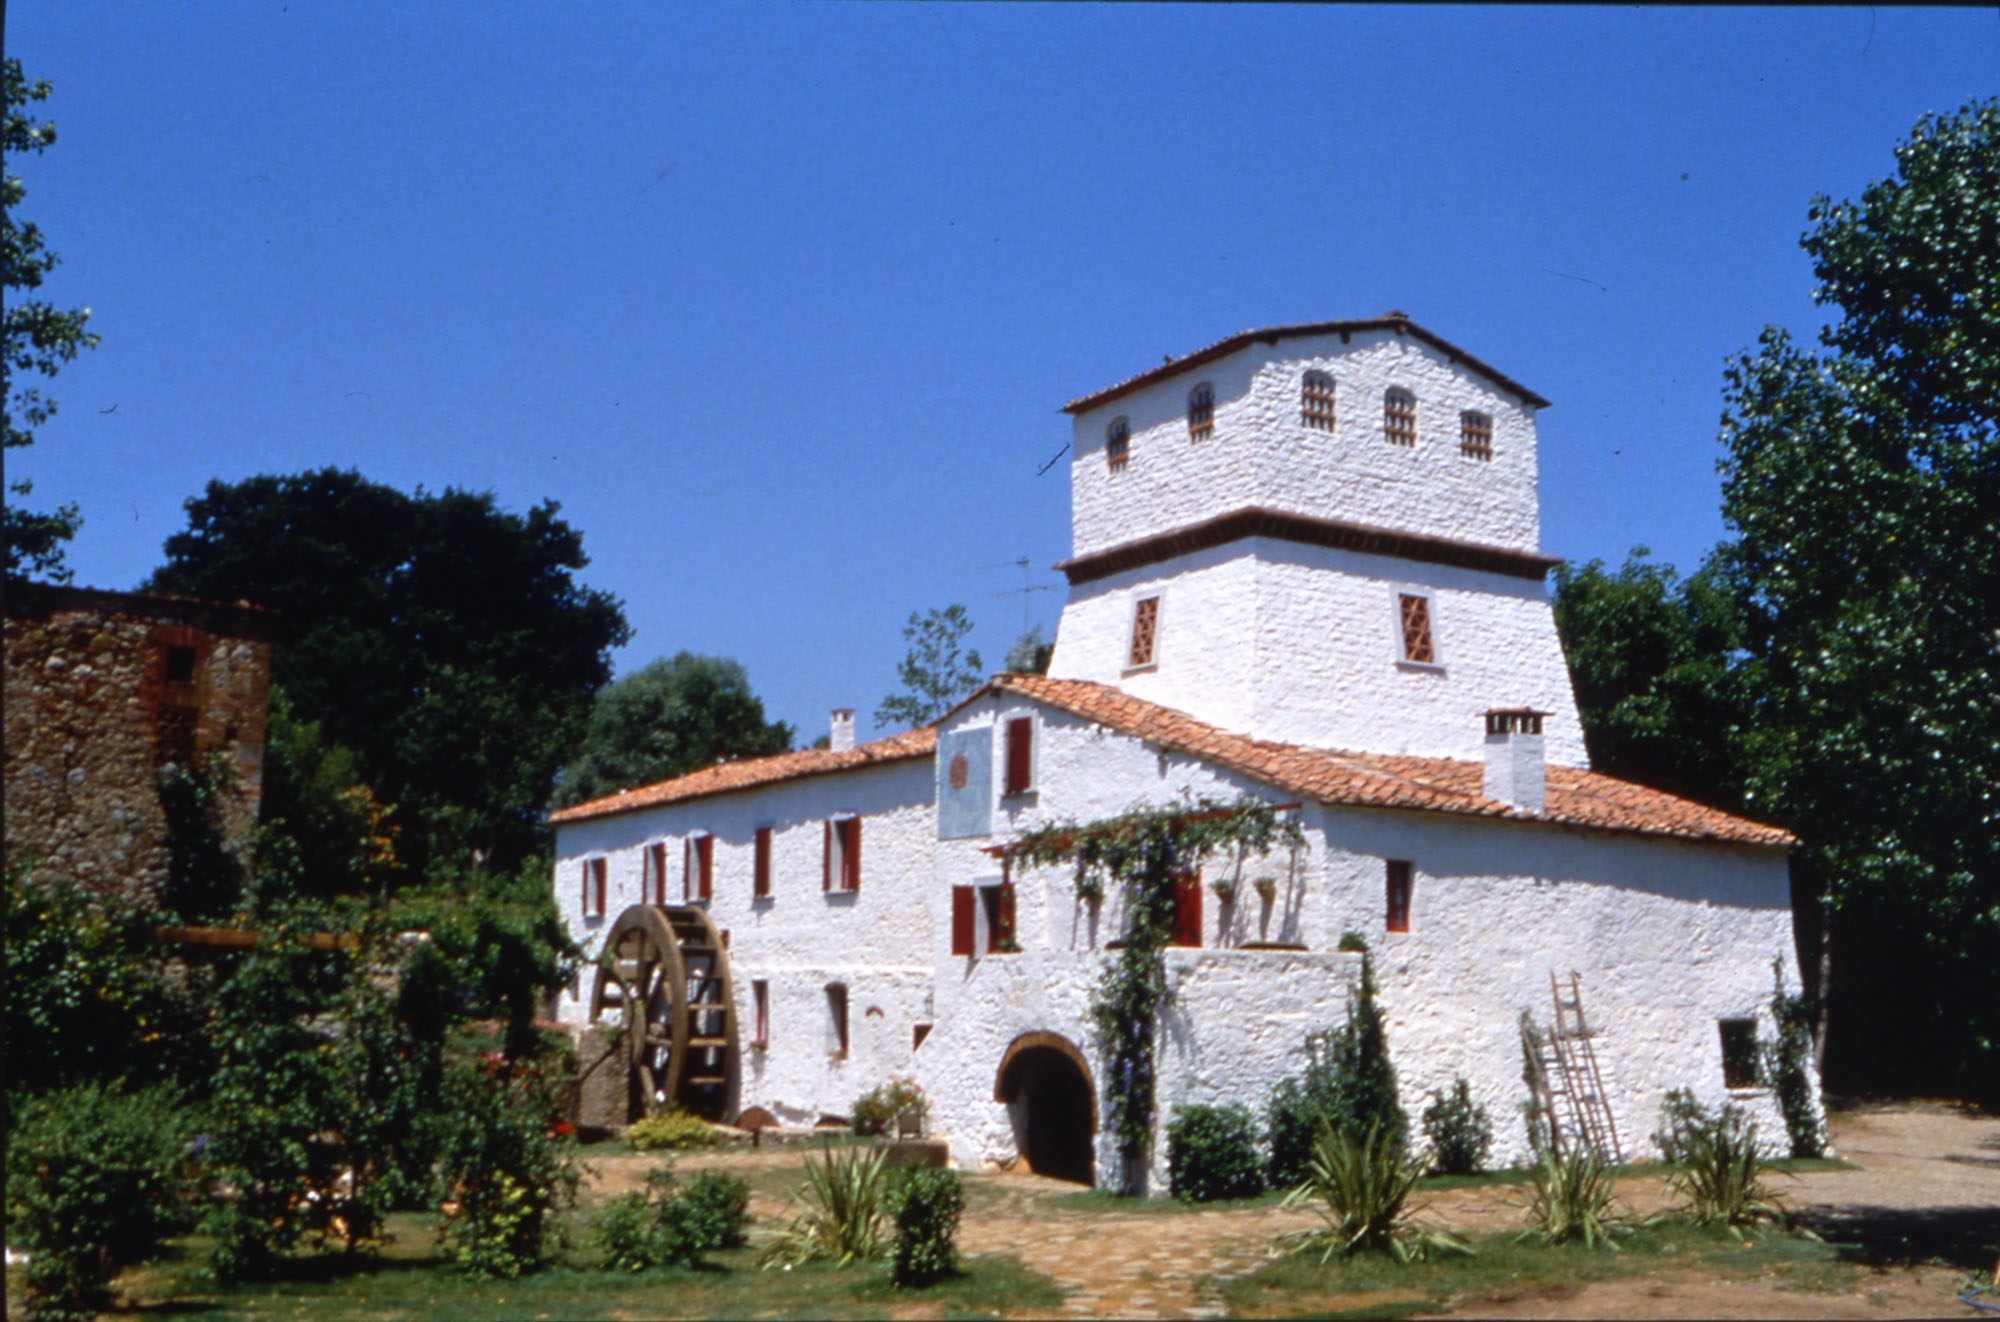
781	301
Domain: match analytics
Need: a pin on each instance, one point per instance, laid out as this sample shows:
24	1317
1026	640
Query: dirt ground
1922	1204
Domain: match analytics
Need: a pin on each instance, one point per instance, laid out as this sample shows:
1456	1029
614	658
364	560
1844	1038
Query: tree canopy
934	673
444	640
672	716
40	337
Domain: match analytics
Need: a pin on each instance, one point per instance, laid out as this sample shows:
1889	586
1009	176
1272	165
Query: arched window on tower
1316	401
1117	444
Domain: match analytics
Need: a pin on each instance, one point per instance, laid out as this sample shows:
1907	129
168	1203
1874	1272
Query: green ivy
1794	1012
1141	852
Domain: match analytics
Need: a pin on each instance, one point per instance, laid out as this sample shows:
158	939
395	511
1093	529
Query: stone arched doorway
1046	1084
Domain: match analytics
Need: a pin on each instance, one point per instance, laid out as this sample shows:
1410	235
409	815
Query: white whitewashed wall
1303	644
1261	454
876	941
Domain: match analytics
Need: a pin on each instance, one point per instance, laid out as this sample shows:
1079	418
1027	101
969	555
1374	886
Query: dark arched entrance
1046	1082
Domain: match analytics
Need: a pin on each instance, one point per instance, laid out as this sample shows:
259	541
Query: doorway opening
1046	1084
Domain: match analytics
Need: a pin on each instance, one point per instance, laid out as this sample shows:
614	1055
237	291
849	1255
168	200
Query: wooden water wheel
664	975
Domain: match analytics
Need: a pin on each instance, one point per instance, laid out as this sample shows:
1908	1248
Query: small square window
1399	417
1414	612
1401	884
1742	1064
1117	444
1145	627
1316	401
1201	412
1475	435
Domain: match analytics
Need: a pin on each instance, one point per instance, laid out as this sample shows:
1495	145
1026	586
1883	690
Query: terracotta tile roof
727	777
1394	321
1439	784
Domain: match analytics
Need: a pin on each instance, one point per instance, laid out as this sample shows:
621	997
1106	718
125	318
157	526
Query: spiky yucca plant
1361	1186
1573	1201
1719	1172
841	1209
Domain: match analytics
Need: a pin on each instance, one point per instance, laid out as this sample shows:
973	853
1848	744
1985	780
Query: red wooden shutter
826	861
598	869
850	854
704	858
1187	909
584	898
1400	885
963	906
1020	754
760	884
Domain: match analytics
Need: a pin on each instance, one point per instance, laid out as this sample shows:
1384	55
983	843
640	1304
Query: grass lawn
1377	1286
409	1280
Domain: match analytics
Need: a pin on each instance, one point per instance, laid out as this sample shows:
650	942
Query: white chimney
1516	775
841	737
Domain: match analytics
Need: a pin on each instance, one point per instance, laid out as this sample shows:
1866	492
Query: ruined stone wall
105	692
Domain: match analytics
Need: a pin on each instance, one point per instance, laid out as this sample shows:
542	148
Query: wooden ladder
1572	1085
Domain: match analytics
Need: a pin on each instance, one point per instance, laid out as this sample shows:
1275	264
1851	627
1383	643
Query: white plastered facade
1280	640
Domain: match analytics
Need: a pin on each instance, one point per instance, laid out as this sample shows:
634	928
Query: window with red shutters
999	902
1402	880
1020	755
654	883
964	920
1187	909
760	883
698	868
595	877
841	868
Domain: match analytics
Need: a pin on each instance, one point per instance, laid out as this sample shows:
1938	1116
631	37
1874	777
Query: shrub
1212	1153
928	1202
1681	1116
1572	1201
505	1174
1787	1055
840	1210
876	1111
668	1224
1361	1187
670	1129
1717	1168
1348	1083
92	1185
1459	1130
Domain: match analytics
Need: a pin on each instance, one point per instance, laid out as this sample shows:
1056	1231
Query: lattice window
1145	624
1399	417
1316	401
1416	613
1475	435
1201	412
1117	444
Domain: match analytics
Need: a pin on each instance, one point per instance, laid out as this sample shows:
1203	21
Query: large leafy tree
1651	659
935	672
1863	485
40	337
669	717
444	640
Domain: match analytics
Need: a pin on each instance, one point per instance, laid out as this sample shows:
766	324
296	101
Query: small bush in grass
505	1174
876	1111
1718	1170
1459	1130
1572	1202
1361	1187
670	1129
840	1211
928	1202
92	1185
672	1224
1212	1153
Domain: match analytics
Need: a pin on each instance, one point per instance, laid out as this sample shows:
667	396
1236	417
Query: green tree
1030	654
40	338
672	716
1862	483
934	673
444	640
1651	660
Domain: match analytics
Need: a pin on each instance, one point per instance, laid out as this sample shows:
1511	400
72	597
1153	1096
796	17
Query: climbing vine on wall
1140	853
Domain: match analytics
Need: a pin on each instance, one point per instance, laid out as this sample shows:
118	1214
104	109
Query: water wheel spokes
664	974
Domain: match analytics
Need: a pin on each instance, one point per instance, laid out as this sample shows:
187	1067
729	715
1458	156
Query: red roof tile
728	777
1440	784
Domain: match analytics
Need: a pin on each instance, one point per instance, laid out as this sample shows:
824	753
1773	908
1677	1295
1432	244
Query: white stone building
1306	568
